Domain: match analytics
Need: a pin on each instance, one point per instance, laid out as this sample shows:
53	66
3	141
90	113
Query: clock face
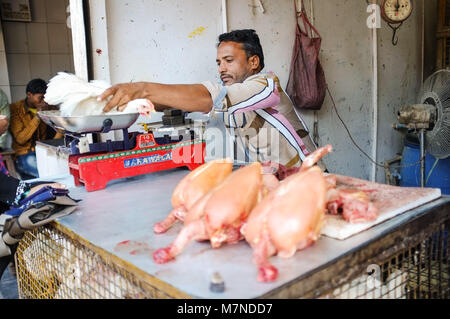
396	11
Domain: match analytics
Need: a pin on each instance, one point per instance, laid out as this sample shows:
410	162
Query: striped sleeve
251	95
218	93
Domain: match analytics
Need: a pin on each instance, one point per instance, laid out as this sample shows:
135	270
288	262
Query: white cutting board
390	201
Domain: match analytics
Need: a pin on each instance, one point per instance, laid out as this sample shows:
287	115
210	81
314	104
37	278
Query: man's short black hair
36	86
249	39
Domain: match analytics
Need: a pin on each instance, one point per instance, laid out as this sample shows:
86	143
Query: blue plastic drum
410	175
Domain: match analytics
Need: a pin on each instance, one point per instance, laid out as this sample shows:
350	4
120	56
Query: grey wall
154	41
400	78
431	8
347	60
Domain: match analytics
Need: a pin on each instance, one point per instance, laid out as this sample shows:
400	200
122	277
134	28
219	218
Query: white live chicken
77	97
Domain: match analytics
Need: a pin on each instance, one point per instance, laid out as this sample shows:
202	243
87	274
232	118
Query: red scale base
94	171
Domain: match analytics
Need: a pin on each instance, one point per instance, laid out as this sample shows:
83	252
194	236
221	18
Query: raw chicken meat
354	205
289	218
192	187
278	170
77	97
220	214
281	172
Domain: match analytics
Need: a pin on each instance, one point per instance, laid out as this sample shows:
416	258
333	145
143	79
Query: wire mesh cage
411	262
407	260
419	271
52	265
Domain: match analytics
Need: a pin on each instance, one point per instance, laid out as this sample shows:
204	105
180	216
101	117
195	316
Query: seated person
26	128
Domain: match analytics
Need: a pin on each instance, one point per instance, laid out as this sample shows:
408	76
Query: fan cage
436	92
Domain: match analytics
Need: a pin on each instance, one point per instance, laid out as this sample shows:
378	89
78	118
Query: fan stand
417	117
429	117
422	156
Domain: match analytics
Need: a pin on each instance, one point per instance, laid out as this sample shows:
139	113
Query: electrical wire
431	170
358	147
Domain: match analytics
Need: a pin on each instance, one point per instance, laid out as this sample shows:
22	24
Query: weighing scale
174	142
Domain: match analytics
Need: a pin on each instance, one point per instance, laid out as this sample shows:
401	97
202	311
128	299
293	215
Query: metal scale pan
88	124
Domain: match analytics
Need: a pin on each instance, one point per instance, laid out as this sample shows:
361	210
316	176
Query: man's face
36	100
233	64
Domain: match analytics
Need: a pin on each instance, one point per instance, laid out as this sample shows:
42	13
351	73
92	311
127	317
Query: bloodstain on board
99	51
133	247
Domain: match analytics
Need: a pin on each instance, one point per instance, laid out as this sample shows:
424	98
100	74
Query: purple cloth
2	167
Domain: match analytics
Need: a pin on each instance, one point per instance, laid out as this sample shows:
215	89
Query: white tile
38	12
59	62
18	69
15	37
4	78
58	39
40	66
37	38
17	92
56	10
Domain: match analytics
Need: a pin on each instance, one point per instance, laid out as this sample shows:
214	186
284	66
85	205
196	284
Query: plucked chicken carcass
289	218
220	214
192	187
353	205
77	97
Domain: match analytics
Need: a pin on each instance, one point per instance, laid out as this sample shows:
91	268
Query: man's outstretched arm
187	97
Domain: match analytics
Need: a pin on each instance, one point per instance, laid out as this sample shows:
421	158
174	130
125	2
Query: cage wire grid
420	271
54	264
51	264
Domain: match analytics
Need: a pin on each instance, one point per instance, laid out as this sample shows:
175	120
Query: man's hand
52	107
42	106
3	124
121	94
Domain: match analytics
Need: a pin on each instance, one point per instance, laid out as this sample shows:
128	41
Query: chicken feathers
77	97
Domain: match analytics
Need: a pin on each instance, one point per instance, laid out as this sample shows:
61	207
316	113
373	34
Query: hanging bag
306	85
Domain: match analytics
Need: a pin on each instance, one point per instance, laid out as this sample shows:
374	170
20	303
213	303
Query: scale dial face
396	11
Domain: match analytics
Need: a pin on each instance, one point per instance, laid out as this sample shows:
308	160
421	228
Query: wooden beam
99	36
79	39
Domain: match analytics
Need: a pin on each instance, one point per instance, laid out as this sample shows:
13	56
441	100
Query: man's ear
29	95
254	62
